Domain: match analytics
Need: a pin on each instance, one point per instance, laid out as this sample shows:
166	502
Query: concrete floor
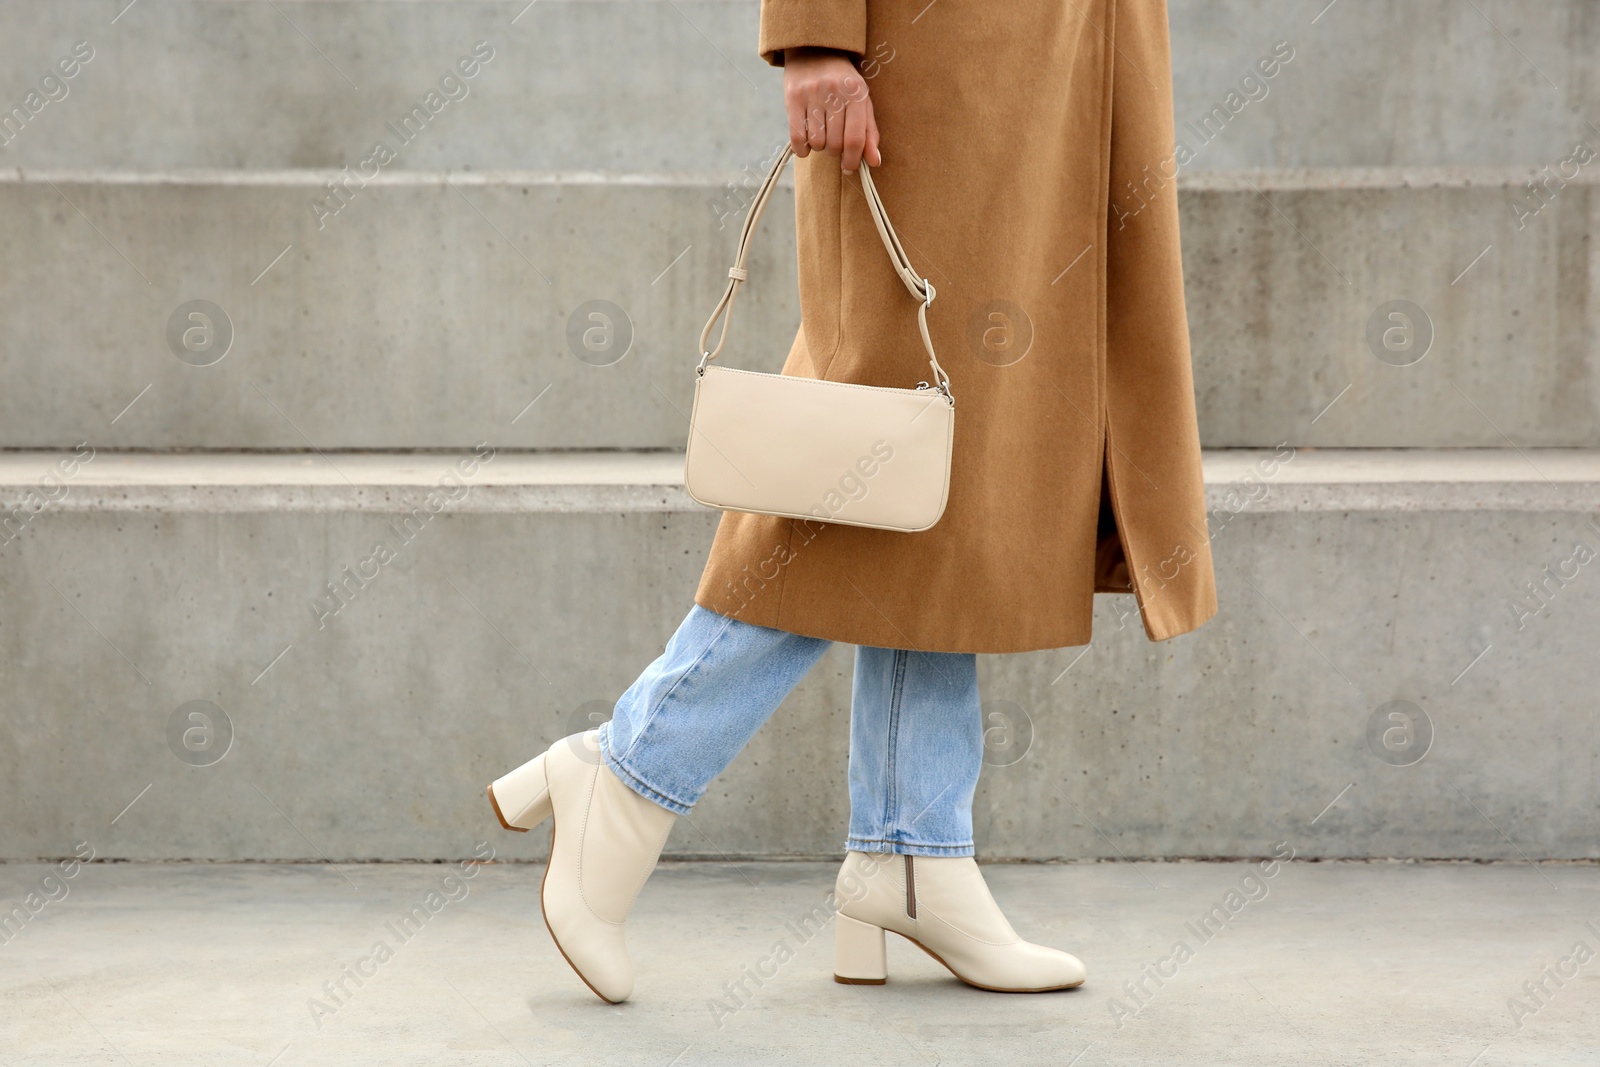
1323	963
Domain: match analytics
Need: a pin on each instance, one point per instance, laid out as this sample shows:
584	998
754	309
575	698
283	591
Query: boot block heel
521	799
858	952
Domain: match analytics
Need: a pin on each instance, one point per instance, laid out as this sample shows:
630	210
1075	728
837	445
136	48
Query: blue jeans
916	729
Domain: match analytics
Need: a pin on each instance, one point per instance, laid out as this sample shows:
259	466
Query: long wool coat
1028	166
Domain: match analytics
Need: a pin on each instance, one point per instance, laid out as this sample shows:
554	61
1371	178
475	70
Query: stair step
435	305
640	85
1449	583
1256	480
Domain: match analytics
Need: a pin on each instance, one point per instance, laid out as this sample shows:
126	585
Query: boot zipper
911	890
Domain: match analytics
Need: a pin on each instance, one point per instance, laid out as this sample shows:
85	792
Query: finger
794	104
836	123
873	156
856	117
817	126
797	128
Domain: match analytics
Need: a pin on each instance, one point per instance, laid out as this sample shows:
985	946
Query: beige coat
1028	168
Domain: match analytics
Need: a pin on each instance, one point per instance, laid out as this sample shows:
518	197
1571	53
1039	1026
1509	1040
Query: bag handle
919	287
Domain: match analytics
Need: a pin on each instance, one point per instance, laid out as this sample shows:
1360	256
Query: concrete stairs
1403	521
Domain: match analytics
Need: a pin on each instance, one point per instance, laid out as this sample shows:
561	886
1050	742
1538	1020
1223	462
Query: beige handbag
805	448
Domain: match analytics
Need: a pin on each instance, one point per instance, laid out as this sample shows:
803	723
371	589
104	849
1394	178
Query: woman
1030	176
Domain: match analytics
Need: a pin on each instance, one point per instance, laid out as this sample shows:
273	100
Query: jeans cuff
639	785
906	848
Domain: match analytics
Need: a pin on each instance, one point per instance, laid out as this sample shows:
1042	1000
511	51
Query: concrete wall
421	312
1402	665
609	85
492	634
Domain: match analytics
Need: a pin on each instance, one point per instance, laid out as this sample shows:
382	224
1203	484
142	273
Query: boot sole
952	970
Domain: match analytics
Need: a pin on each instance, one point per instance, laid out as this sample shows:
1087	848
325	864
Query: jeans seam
852	842
644	726
902	841
891	800
643	788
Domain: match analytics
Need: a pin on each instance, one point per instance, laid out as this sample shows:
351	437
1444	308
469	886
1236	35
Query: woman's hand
829	109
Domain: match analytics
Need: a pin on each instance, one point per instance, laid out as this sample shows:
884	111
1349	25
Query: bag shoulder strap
919	287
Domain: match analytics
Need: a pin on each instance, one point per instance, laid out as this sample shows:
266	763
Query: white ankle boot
941	905
604	842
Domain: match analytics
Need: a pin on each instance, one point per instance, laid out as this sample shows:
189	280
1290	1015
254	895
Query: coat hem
870	636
